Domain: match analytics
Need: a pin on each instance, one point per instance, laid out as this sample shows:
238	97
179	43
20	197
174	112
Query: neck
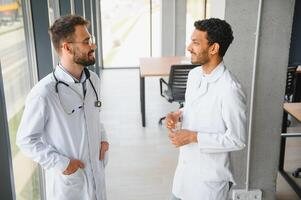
211	65
74	69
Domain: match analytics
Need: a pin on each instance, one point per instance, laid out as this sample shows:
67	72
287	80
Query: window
195	11
126	32
18	80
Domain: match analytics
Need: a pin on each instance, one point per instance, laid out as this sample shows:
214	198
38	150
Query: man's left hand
104	146
182	137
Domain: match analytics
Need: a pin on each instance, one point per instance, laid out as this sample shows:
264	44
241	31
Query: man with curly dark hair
213	118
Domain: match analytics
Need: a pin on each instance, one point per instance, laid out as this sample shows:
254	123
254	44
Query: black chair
290	88
176	86
290	84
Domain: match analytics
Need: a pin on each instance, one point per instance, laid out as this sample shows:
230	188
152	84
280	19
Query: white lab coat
51	137
215	108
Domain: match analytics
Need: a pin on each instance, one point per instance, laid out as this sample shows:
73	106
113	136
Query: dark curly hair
218	31
63	29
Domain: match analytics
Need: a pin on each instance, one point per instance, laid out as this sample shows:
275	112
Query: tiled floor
142	160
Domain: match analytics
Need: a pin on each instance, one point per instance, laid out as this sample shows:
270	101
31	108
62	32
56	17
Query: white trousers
210	191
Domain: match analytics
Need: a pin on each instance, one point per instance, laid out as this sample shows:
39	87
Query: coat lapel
206	80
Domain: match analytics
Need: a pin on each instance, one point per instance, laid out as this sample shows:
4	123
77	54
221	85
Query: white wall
215	9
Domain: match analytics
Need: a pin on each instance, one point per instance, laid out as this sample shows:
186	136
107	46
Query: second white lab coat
215	108
51	137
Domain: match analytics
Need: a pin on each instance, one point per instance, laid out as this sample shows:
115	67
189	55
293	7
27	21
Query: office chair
290	88
176	85
290	83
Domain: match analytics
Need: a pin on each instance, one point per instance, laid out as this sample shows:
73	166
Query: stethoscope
57	82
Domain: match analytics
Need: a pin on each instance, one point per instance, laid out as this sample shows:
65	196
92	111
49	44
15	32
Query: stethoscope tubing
86	71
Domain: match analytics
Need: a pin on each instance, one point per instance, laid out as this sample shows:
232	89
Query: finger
170	127
66	172
170	121
69	171
175	143
173	133
170	134
104	147
81	164
102	154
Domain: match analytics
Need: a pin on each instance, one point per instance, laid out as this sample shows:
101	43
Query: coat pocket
71	186
105	161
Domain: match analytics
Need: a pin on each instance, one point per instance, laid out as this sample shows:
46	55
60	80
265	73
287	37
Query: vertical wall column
78	5
90	14
65	7
39	9
93	9
173	27
98	35
273	51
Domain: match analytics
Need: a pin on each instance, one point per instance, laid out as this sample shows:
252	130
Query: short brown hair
63	29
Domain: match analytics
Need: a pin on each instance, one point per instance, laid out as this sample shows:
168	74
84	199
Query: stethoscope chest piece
98	104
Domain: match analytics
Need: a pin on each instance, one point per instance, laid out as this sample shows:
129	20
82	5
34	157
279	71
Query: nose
93	46
189	47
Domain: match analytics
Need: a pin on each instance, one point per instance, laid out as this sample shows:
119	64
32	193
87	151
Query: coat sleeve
234	116
30	136
103	133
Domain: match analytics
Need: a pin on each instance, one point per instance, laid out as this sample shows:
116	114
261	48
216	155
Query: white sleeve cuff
62	164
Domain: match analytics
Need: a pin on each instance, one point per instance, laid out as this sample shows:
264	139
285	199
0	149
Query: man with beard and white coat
213	118
60	128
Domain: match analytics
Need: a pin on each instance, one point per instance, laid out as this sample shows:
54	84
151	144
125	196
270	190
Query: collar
63	75
215	74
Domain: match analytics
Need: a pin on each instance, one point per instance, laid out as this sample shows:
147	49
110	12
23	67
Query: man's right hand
172	119
73	166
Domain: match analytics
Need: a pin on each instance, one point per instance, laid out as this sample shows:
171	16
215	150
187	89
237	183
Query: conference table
155	66
294	109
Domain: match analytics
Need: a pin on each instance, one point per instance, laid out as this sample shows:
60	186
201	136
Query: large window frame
7	189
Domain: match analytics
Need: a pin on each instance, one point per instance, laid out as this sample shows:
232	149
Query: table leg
284	174
142	99
282	142
297	90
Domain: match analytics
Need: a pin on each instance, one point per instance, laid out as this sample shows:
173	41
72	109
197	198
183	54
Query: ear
67	48
214	48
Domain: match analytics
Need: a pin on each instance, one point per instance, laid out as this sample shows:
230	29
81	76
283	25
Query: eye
86	41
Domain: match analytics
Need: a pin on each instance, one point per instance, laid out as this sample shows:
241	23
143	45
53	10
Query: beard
200	59
83	59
